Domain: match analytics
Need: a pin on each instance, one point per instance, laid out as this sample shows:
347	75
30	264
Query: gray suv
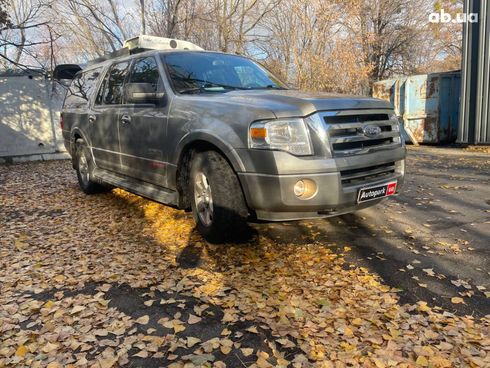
219	135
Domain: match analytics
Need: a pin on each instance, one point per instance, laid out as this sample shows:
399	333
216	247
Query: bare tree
17	39
324	45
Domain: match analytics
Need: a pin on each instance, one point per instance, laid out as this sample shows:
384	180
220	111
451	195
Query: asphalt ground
114	279
439	223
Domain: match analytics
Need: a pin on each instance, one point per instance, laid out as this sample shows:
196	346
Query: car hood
290	103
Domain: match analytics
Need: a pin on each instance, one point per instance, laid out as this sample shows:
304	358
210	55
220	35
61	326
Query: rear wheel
217	201
84	168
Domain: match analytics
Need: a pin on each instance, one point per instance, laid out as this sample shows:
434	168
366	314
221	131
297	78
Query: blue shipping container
428	104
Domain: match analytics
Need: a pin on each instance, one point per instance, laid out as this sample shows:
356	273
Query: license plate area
376	192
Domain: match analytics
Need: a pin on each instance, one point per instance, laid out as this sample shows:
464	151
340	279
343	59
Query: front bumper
272	196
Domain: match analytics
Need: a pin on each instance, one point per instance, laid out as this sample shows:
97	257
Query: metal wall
474	127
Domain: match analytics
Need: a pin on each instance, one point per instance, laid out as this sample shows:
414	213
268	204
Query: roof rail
144	43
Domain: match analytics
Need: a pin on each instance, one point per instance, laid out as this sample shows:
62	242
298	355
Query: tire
217	201
84	168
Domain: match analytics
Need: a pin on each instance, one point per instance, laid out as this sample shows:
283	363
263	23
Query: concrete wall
29	116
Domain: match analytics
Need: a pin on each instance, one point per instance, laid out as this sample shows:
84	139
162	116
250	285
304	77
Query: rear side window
81	89
111	91
146	71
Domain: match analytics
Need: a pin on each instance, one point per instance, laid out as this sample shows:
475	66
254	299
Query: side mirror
142	93
65	71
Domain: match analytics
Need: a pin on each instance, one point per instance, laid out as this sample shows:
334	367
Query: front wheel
217	201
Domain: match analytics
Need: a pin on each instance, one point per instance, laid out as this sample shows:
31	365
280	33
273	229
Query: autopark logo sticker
380	191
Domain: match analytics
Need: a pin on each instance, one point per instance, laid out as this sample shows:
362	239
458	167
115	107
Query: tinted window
146	71
111	92
192	72
81	89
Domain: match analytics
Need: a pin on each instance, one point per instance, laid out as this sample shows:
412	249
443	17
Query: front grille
367	174
361	144
346	133
361	118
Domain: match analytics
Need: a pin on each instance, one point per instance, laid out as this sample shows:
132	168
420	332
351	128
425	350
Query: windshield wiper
206	84
269	86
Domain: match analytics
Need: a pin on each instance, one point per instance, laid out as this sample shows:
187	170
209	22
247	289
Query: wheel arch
75	134
183	158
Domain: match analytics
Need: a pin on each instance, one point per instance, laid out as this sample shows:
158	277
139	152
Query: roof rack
144	43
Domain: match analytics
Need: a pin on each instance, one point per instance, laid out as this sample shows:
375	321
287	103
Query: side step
138	187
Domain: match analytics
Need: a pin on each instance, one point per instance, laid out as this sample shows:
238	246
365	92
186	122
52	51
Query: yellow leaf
49	347
193	319
247	351
191	341
49	304
149	303
348	332
422	361
178	327
77	309
228	317
20	245
21	351
262	363
440	362
225	349
54	365
457	300
141	354
357	321
107	363
143	320
59	278
423	307
252	329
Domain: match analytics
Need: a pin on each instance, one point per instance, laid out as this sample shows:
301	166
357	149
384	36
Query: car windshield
201	72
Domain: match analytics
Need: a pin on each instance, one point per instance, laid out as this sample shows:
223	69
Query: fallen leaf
21	351
143	320
247	351
225	349
191	341
49	347
422	361
193	319
141	354
252	329
77	309
54	365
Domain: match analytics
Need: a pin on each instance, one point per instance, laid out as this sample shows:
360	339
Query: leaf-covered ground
114	279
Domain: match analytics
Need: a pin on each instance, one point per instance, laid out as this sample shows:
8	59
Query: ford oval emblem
371	130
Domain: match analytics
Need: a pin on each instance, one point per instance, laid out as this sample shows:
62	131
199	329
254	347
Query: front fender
210	138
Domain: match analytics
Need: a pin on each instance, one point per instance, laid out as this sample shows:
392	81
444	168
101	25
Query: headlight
290	135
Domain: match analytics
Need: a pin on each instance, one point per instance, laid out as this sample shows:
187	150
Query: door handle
125	119
92	118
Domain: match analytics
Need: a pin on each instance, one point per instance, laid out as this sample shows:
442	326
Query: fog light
305	189
299	188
